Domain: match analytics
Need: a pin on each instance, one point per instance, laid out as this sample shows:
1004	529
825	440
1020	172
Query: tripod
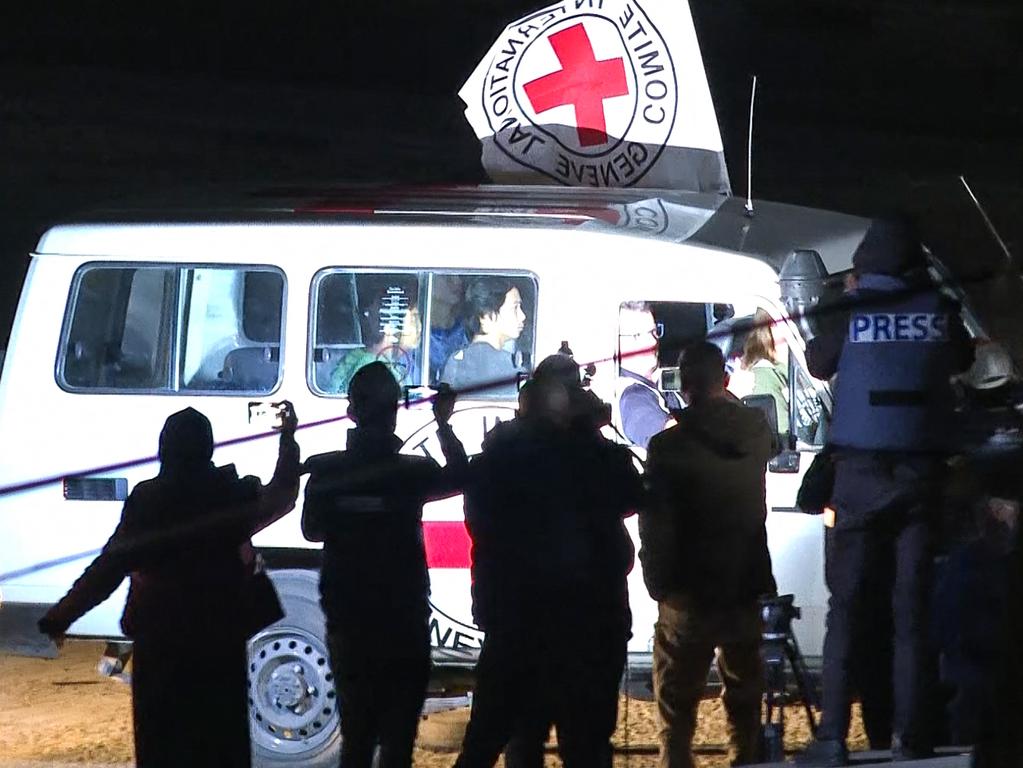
778	645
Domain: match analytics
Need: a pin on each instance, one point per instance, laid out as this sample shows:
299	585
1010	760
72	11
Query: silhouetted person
545	508
1001	739
366	505
184	542
705	557
892	430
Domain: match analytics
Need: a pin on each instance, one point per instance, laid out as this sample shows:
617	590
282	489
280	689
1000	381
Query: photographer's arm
451	478
97	582
278	497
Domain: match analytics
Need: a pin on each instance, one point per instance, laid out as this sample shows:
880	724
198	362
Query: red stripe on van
447	544
328	206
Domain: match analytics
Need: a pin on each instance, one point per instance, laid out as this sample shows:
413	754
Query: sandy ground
62	711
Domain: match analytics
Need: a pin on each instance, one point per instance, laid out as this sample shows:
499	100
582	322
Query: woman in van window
495	322
765	357
391	331
196	593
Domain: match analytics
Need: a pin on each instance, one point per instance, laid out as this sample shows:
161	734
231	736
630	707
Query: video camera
776	614
587	409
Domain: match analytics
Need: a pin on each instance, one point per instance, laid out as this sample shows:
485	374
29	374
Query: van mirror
787	460
766	405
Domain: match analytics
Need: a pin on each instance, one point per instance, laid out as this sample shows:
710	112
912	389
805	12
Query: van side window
361	317
809	410
481	331
758	360
231	330
173	329
119	336
755	347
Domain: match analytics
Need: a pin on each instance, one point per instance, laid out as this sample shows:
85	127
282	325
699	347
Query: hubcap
292	700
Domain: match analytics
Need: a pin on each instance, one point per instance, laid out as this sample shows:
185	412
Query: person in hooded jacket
184	542
891	433
366	505
545	509
704	554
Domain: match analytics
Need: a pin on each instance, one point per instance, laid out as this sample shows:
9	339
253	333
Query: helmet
992	367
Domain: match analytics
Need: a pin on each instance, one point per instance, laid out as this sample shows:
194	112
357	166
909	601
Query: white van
126	317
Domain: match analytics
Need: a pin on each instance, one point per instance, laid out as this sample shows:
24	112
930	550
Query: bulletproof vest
893	389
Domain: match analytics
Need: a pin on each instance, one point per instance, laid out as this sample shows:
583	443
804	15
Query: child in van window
392	330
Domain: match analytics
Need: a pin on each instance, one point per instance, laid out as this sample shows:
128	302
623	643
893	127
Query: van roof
716	221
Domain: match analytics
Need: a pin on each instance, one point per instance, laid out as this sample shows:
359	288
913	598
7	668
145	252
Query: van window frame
425	274
180	303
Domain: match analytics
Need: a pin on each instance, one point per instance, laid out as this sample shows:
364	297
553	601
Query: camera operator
705	559
545	508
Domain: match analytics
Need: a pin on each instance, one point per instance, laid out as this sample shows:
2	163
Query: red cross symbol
447	544
582	82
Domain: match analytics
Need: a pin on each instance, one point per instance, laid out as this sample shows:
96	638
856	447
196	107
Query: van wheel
293	716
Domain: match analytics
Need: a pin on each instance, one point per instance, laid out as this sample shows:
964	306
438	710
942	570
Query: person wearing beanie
184	543
891	432
366	505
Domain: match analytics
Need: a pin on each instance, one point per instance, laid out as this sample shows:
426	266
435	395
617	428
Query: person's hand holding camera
443	404
289	449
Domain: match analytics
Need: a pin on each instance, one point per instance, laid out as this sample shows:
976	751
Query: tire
293	716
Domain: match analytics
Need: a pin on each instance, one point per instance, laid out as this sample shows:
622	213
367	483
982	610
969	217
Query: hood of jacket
725	426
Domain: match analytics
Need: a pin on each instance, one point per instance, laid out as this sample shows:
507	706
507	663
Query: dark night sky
863	107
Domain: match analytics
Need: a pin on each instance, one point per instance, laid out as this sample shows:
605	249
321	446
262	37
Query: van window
361	317
231	330
809	409
652	334
757	359
481	331
173	329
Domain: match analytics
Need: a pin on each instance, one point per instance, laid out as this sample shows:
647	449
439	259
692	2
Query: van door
763	356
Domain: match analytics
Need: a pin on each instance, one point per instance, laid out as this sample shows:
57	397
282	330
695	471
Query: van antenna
987	221
749	151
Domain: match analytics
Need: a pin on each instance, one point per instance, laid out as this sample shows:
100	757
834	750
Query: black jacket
366	505
703	532
184	541
545	510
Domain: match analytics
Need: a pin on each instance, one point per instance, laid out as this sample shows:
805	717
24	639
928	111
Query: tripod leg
799	671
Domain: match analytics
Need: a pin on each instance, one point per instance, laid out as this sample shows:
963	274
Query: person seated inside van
447	325
764	366
495	322
391	333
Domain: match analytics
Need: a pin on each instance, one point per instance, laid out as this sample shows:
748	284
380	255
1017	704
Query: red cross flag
598	93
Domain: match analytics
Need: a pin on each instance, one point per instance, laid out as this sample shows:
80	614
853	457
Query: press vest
893	389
